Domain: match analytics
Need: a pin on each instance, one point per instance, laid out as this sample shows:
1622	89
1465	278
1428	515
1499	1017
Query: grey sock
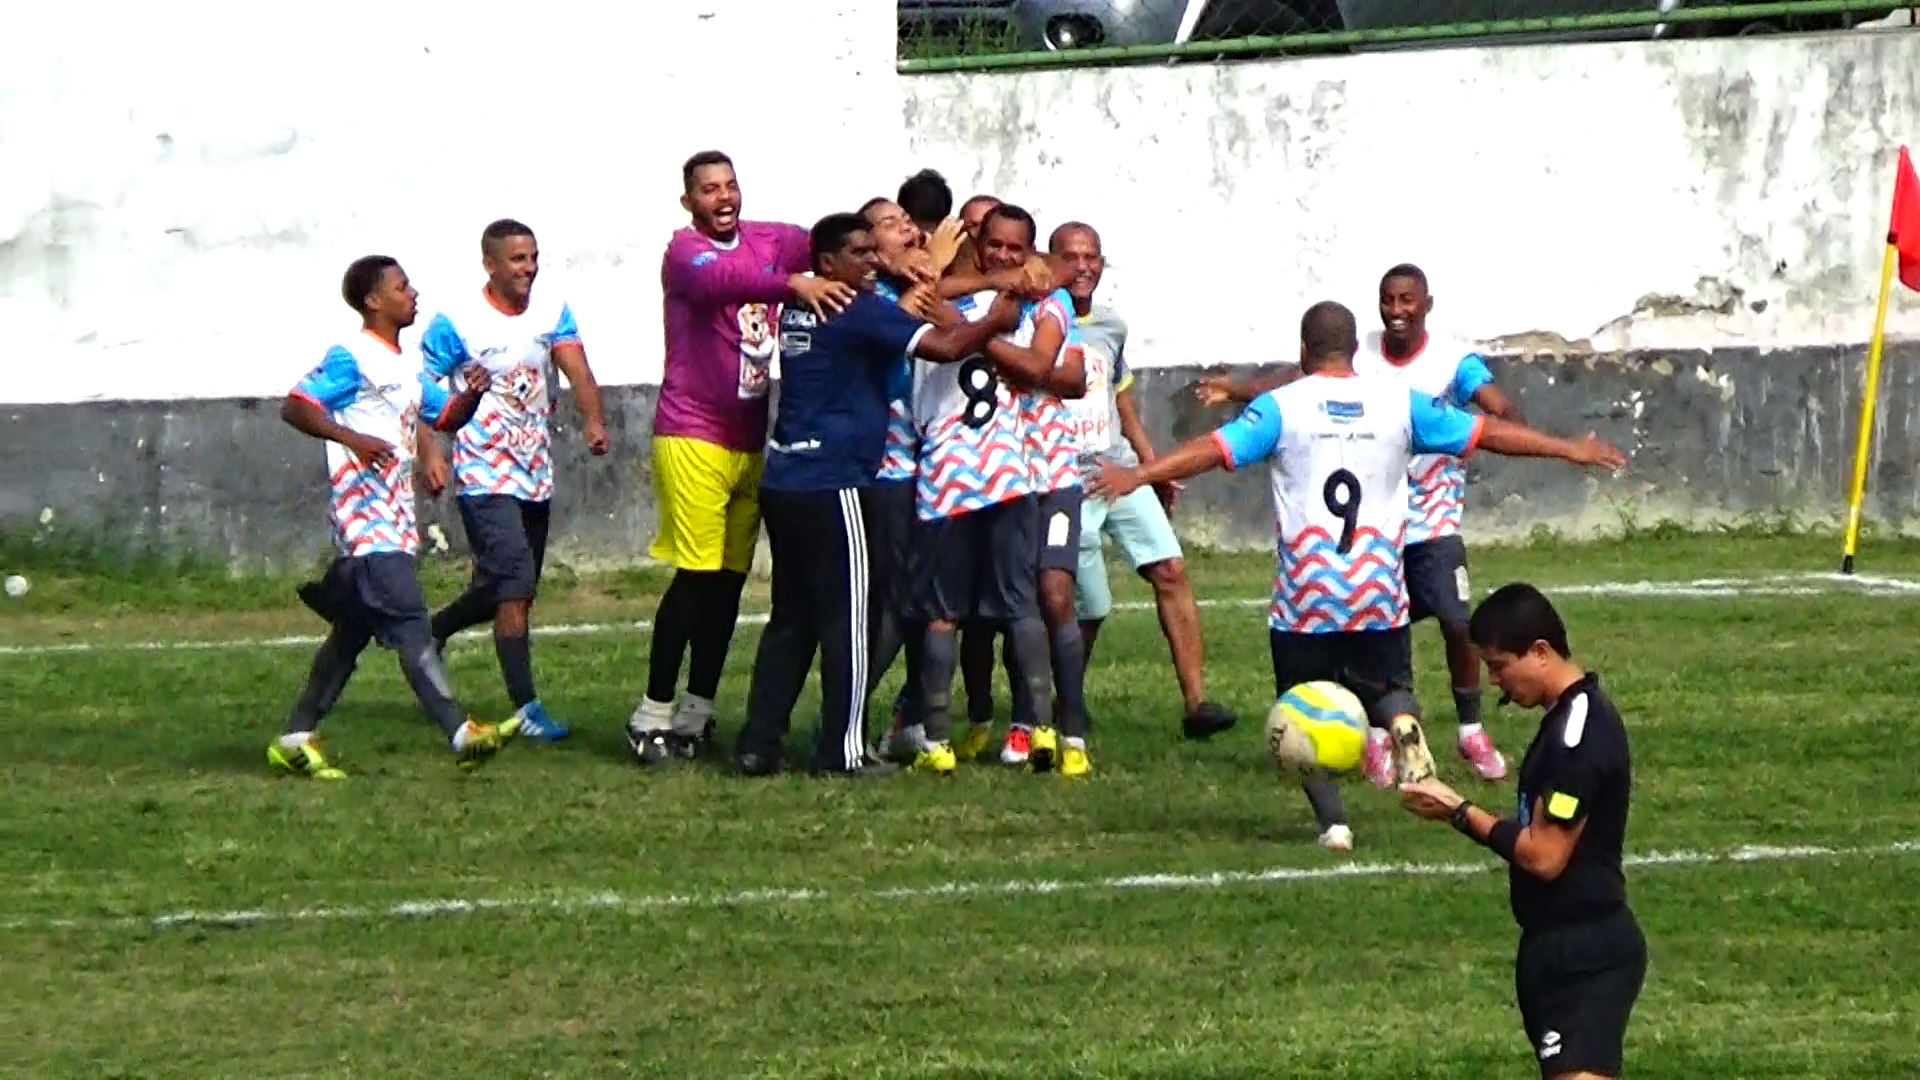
428	677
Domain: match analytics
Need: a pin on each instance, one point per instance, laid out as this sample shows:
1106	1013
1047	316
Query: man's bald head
1329	337
1073	230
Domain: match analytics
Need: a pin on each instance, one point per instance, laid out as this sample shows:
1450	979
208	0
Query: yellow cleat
304	760
1074	762
484	741
1045	751
939	760
1412	761
978	741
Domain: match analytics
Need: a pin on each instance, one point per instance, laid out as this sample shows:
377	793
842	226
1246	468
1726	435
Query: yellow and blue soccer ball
1317	729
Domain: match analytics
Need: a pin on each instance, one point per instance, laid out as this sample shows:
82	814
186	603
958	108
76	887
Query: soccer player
503	457
1582	958
1138	523
818	491
1044	358
1340	444
1436	556
927	199
979	527
722	278
365	400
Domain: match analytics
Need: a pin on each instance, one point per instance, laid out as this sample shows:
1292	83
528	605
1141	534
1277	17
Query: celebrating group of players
954	436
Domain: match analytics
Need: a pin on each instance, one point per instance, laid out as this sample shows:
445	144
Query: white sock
651	715
692	715
463	736
1075	742
295	740
1468	731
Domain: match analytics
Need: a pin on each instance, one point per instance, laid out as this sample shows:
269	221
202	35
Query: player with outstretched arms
1436	556
503	457
366	400
723	280
1340	445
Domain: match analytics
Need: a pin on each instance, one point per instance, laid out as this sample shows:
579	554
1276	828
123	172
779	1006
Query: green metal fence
971	35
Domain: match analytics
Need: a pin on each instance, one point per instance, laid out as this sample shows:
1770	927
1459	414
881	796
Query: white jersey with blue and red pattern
972	439
901	459
507	448
1446	369
368	386
1339	447
1053	445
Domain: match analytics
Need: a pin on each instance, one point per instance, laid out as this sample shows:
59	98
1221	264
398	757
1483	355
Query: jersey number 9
981	388
1342	496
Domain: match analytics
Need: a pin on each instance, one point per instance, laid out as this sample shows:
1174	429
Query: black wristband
1504	838
1460	821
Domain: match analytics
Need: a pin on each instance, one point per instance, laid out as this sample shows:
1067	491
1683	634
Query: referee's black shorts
1577	985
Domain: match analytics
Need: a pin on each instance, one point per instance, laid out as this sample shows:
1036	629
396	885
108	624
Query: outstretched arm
1219	389
1248	439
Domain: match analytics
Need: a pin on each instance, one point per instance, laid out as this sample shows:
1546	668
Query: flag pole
1863	439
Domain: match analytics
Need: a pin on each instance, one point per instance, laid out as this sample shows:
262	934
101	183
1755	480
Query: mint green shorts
1139	525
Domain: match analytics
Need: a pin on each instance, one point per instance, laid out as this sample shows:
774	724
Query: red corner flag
1904	233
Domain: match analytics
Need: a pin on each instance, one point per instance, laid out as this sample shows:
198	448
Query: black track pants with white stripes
821	599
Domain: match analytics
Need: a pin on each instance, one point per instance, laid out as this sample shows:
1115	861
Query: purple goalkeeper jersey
722	313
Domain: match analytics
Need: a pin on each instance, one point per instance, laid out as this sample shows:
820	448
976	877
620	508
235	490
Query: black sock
1324	797
1069	656
939	657
333	665
1036	676
1022	706
976	670
516	666
469	609
719	611
1467	704
672	630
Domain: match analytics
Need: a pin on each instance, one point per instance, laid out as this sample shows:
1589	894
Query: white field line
616	903
1802	584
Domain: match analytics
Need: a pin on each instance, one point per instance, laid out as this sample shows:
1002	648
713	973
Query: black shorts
378	595
1377	665
509	541
1576	986
1437	580
889	506
979	565
1059	529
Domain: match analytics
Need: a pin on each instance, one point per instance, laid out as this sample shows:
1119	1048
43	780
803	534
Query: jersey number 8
981	388
1342	496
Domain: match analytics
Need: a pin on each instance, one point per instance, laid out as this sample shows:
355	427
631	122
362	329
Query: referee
1582	958
827	441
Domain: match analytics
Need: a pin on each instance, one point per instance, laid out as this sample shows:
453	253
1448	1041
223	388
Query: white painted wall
1543	189
181	185
179	197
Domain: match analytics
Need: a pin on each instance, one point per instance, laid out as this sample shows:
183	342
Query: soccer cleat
1019	744
1478	751
482	741
1074	761
688	747
1206	720
1337	838
978	738
1412	760
1043	749
303	760
937	758
649	746
535	724
1377	765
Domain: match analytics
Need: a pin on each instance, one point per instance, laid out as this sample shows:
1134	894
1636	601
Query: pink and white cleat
1478	751
1378	762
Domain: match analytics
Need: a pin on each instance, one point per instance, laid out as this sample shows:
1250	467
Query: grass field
562	914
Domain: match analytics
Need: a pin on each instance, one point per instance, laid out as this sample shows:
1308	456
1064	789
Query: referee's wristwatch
1460	816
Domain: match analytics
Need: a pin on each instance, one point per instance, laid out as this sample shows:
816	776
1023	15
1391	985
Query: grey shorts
378	595
509	541
1437	580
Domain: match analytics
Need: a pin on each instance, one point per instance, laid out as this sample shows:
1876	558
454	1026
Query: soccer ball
1317	729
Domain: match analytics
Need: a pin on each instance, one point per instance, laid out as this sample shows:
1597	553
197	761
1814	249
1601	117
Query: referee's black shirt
1577	769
